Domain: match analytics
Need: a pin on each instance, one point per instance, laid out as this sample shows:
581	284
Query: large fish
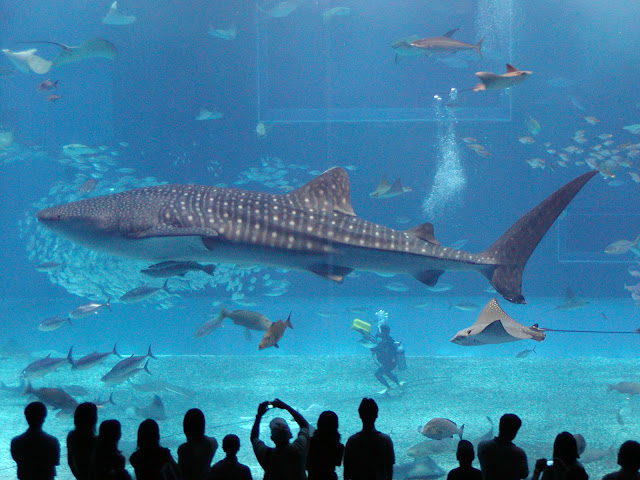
445	44
313	228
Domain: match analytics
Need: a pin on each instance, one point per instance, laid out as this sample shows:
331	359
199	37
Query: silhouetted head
35	413
110	432
280	432
565	447
629	455
148	434
327	425
368	410
384	330
510	423
86	417
193	424
465	453
231	444
580	442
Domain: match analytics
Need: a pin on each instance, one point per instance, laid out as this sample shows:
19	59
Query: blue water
329	94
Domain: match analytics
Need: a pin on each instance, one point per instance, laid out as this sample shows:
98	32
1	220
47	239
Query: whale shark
313	228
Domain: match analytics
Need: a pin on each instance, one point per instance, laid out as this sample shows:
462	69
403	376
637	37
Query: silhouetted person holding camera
229	468
286	461
564	465
37	453
150	460
499	458
107	461
629	461
465	456
195	456
325	449
82	441
369	455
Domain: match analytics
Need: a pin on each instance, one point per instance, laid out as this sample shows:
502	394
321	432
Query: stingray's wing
512	328
396	188
92	48
27	60
382	188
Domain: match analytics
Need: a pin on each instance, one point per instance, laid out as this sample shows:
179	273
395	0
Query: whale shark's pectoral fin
428	277
332	272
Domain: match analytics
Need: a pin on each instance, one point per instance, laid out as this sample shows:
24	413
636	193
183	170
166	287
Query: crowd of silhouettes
314	454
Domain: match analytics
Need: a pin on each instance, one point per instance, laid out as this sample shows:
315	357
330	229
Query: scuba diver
389	355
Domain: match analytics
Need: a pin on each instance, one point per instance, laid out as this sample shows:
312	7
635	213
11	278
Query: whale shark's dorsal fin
329	192
424	232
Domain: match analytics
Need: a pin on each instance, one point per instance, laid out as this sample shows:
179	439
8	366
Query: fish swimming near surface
44	366
621	246
571	302
144	292
422	469
53	323
274	333
176	269
312	228
115	17
155	410
91	308
495	326
92	359
388	190
47	85
440	428
445	44
280	9
493	81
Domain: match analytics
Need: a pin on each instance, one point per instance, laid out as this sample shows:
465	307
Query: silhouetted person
465	456
194	456
150	460
325	449
37	453
565	461
107	462
229	468
368	455
82	441
386	353
286	461
499	458
629	461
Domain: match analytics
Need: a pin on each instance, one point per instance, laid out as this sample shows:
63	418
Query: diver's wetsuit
386	353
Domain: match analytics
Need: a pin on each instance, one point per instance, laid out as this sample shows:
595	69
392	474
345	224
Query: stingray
495	326
27	60
572	302
387	190
92	48
114	17
422	469
492	81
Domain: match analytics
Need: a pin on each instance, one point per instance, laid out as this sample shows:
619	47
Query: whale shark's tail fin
512	250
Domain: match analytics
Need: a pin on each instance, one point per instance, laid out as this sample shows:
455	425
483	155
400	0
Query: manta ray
388	190
492	81
27	60
495	326
313	228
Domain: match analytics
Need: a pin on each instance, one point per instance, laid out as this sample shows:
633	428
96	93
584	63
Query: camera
549	463
270	405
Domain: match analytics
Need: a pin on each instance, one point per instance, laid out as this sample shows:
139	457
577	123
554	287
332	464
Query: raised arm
300	420
255	431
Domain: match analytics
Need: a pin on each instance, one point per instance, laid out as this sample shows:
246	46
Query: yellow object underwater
361	325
